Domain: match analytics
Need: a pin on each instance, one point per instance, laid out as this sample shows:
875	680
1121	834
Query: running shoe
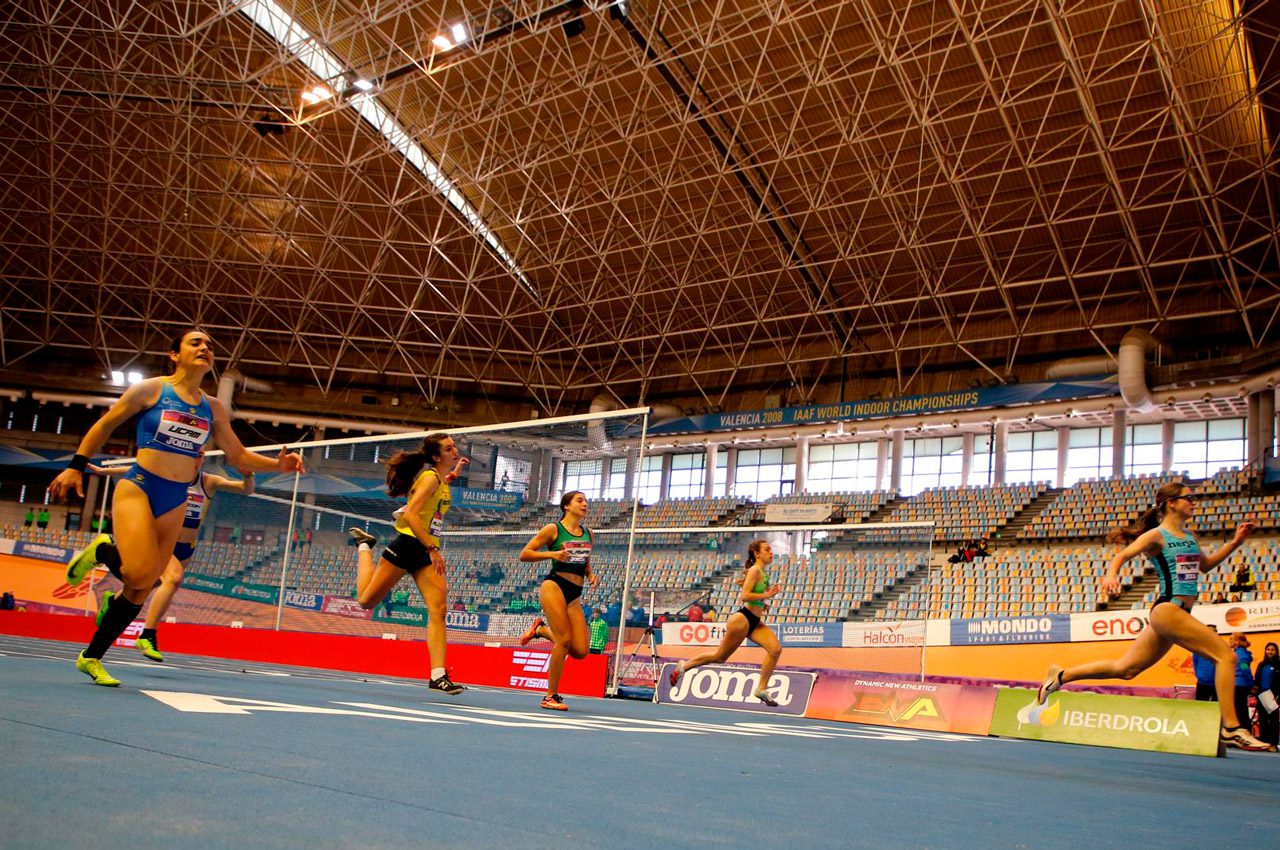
532	632
102	607
553	703
85	560
1051	684
149	649
92	667
764	697
1243	739
445	685
359	535
674	675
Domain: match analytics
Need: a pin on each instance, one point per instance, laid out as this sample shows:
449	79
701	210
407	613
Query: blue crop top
172	425
1178	565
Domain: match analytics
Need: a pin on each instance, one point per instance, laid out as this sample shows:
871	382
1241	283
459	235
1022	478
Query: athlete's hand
437	562
1243	530
68	479
560	555
1111	585
288	461
773	591
594	579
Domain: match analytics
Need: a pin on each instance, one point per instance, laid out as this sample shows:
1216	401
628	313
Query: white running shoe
1052	683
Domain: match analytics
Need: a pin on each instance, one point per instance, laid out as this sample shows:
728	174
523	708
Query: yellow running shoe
85	560
92	667
149	650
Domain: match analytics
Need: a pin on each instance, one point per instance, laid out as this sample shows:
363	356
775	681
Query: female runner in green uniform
747	622
567	543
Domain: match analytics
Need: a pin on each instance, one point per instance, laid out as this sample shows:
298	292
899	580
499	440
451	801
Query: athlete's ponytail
1148	519
753	550
405	466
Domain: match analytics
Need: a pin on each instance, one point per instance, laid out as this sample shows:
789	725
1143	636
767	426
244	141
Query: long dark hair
405	466
753	550
1148	519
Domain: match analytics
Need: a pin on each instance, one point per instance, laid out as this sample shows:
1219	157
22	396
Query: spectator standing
29	518
42	519
599	632
1206	690
1244	676
1267	679
8	603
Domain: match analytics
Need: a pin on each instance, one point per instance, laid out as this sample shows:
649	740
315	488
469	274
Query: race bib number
437	525
195	509
1187	568
579	553
182	432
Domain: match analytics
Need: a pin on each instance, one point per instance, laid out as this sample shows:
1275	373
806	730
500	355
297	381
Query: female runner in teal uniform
106	554
567	544
1179	562
747	622
175	421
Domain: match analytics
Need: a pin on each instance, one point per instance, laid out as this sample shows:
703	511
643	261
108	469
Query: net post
288	546
611	689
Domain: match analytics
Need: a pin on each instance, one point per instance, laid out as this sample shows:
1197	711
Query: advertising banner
306	601
693	634
808	634
254	592
1263	616
466	621
909	705
209	584
526	669
345	606
489	500
797	513
1104	720
714	686
877	408
42	551
405	616
881	634
1042	628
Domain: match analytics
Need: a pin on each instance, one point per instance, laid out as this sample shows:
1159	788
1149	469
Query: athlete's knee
774	652
367	601
578	650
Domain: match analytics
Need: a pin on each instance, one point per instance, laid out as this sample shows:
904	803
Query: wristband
79	463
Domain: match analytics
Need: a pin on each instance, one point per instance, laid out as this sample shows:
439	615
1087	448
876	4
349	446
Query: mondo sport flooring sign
1103	720
908	705
734	687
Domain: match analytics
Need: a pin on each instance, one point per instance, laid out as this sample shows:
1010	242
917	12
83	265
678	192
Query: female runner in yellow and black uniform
424	477
747	622
567	544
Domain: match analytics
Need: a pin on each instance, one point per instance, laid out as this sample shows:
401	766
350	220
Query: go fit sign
692	634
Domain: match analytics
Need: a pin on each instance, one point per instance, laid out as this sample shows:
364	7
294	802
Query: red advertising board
909	705
495	666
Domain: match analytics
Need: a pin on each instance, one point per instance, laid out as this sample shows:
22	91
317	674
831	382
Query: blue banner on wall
466	621
300	599
809	634
1043	628
488	500
879	408
42	552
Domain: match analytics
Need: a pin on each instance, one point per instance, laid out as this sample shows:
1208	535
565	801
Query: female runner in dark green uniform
568	544
747	622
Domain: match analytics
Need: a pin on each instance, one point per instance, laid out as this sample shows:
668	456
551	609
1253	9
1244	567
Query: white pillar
1064	444
882	460
713	450
999	452
1166	445
895	469
802	465
966	458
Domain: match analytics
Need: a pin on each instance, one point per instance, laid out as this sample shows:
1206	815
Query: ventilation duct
1132	369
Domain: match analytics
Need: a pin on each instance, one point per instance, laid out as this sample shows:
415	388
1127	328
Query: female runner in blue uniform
1161	534
747	622
105	553
567	544
175	422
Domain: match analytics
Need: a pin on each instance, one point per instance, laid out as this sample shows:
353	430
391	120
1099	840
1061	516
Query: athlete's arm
135	399
1146	542
1243	530
536	549
753	578
111	471
221	484
242	458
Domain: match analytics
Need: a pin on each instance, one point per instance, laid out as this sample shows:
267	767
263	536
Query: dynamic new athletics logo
530	662
1052	713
